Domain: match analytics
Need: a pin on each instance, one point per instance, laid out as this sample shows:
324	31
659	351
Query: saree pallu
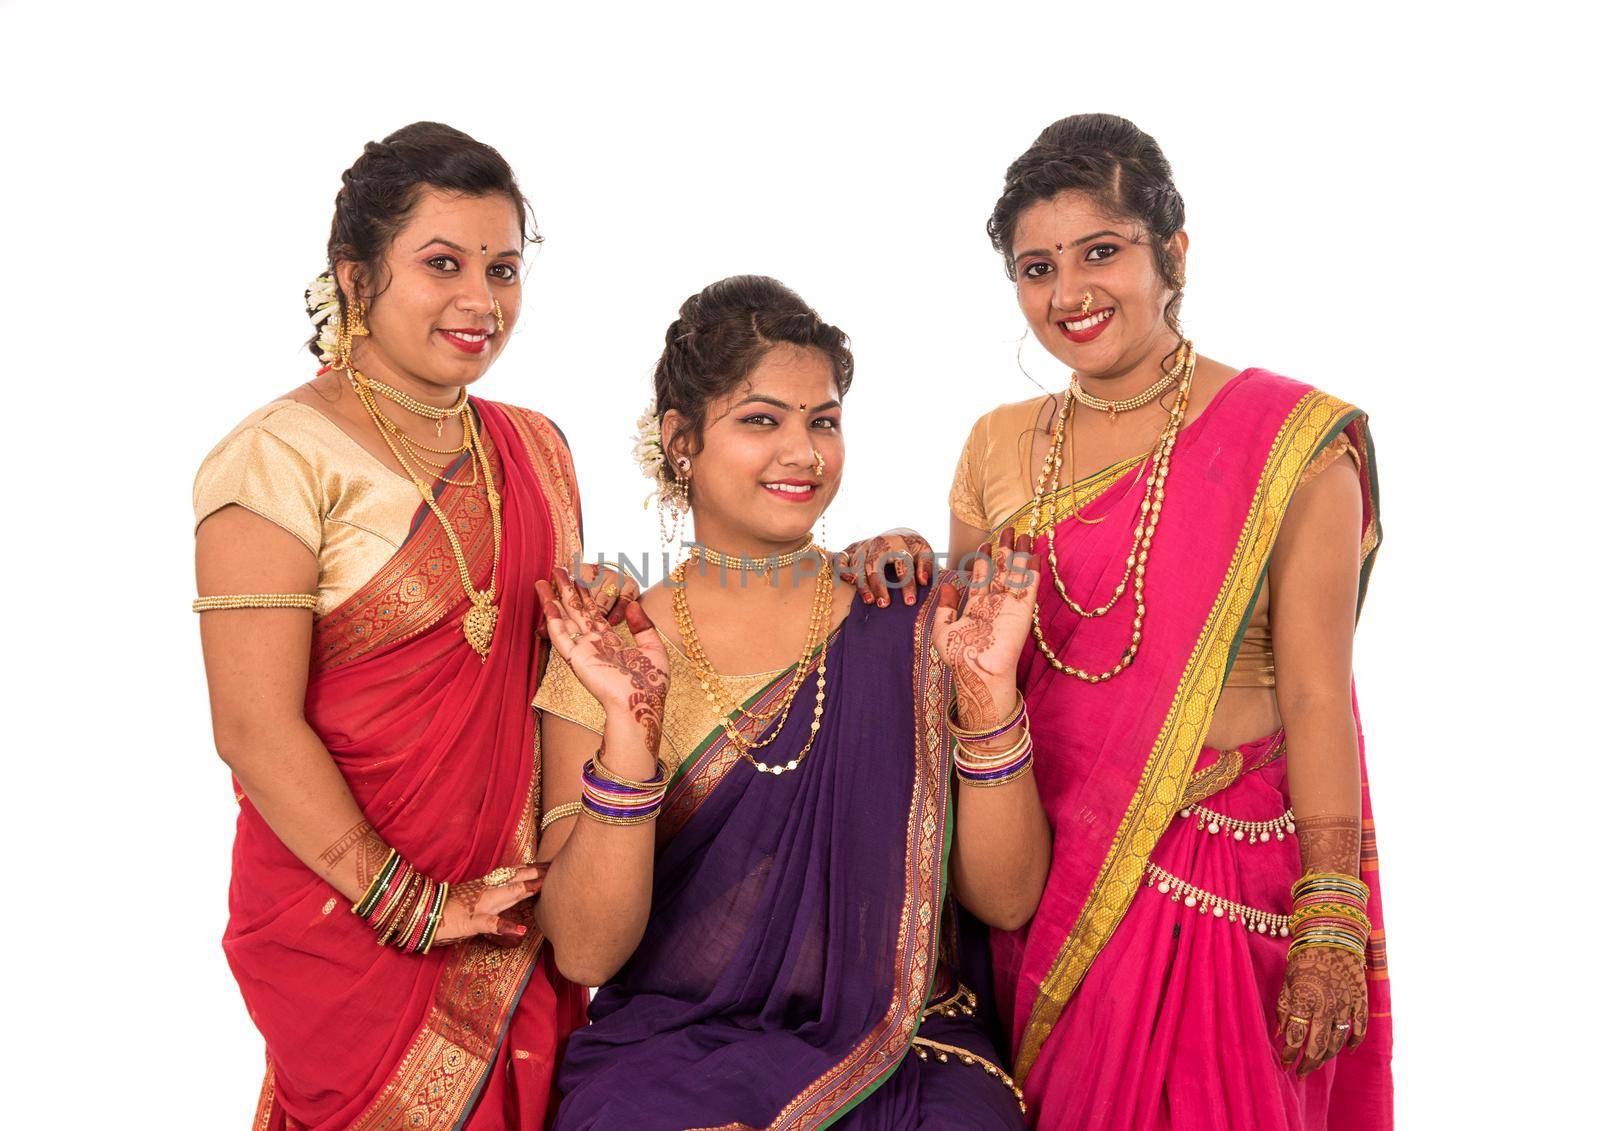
797	923
440	750
1125	1009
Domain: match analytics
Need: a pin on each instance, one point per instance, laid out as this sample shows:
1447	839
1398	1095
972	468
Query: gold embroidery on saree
1307	427
1085	490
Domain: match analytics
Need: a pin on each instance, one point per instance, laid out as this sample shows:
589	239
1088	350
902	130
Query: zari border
881	1051
1307	427
416	588
558	480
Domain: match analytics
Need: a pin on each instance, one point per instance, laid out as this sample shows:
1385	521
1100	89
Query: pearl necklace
1144	530
411	404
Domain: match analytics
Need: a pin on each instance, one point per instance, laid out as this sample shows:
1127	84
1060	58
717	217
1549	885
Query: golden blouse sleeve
561	694
966	500
1328	456
256	470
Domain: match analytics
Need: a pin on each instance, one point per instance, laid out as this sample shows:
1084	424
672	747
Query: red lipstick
1101	318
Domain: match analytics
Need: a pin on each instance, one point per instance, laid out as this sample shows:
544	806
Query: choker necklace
1077	392
411	404
753	565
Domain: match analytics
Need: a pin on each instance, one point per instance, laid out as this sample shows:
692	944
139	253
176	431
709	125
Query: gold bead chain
723	702
1159	462
754	565
1078	393
411	404
479	622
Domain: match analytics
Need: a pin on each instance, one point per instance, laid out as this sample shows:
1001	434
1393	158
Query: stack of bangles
403	906
615	800
983	768
1330	909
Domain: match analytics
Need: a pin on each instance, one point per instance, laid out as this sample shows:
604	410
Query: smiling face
1089	286
431	308
753	485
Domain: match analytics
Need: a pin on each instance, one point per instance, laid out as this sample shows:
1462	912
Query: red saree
1126	1009
440	750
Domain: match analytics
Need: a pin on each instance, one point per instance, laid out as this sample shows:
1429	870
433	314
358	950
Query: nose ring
499	318
817	461
1088	301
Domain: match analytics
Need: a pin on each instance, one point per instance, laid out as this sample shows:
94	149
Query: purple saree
798	932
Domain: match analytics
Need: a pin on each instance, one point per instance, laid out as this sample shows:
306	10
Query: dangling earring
672	496
352	325
499	318
817	462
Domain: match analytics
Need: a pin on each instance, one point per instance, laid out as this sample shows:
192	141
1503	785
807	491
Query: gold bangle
256	601
962	732
605	773
560	813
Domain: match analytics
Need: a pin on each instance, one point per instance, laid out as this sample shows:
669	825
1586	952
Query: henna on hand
1323	987
370	849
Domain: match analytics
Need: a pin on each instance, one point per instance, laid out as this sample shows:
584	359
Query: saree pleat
1123	1012
795	926
440	751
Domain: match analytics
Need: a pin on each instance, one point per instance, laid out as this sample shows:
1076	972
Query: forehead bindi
1065	219
484	225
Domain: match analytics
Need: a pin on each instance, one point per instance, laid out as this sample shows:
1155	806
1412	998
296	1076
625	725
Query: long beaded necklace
479	622
1159	462
723	702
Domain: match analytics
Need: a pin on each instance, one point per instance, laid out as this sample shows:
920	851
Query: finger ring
499	876
577	636
1342	1026
609	589
1302	1020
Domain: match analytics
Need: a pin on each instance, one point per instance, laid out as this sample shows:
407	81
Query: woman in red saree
1190	676
367	549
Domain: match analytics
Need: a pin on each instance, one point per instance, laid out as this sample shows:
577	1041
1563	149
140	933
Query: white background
1395	203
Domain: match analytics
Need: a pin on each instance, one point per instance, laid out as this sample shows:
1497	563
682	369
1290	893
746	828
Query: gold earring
817	461
499	318
1088	301
672	497
358	319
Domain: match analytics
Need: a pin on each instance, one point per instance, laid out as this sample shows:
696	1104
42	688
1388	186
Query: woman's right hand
629	680
478	908
983	644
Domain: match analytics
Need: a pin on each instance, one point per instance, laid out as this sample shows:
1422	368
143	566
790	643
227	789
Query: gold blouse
689	718
296	468
993	481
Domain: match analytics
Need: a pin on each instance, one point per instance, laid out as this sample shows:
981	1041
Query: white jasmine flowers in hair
647	451
322	304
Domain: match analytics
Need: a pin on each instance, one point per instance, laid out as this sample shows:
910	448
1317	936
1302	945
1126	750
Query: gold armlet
559	813
256	601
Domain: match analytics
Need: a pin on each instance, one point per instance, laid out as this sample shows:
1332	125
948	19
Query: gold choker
754	565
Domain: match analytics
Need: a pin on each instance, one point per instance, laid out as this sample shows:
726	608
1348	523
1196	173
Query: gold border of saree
1314	420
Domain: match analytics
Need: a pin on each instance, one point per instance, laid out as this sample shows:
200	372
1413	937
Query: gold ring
1302	1020
1342	1026
577	636
500	876
609	589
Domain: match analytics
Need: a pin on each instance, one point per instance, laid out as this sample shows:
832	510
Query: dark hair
379	191
721	335
1113	161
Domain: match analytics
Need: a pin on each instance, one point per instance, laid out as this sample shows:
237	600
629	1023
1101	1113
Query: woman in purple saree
796	964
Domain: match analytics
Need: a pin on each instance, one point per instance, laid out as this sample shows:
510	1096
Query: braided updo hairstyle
1117	165
720	336
379	191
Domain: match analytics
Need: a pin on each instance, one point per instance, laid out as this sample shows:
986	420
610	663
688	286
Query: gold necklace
752	565
723	702
479	622
1143	534
411	404
1078	393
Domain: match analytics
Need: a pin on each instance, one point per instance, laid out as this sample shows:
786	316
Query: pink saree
441	753
1127	1008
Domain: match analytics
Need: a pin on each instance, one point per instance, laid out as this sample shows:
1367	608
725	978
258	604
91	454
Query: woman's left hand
1322	1008
864	565
982	645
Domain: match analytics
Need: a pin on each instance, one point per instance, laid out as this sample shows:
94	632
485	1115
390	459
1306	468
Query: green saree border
1309	425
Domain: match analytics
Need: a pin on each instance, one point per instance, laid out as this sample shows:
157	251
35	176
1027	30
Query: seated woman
758	865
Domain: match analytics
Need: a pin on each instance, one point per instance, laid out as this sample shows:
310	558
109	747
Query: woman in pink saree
1209	951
